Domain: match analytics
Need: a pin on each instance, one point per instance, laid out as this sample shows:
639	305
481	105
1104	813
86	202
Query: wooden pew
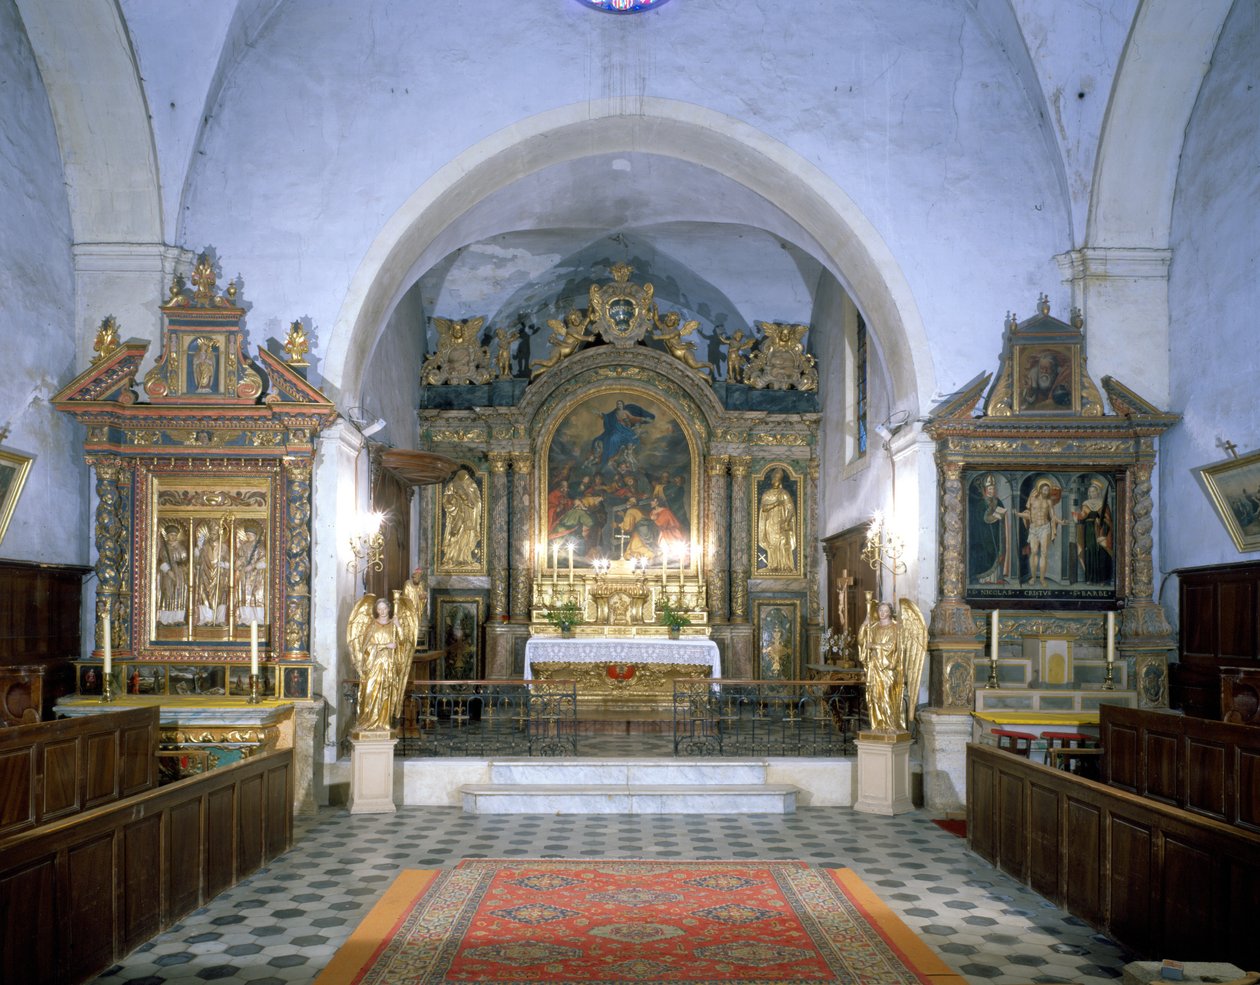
52	770
1161	880
78	894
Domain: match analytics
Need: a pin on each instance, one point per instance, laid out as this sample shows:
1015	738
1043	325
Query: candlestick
253	647
1109	682
994	638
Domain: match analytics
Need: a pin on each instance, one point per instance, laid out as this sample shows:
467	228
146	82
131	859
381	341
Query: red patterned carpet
561	920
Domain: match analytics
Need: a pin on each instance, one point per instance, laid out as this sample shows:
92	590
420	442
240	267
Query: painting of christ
620	477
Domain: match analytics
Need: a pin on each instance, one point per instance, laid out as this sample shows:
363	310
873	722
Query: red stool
1019	743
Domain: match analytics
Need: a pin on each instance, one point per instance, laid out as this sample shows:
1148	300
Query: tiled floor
284	923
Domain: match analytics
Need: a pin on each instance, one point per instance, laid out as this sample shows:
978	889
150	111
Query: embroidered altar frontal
496	920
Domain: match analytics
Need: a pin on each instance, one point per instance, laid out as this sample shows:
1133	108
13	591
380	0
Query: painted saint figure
776	525
1043	527
250	587
619	430
210	574
1093	535
987	535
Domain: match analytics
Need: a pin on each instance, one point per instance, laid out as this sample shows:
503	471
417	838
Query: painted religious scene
619	484
1041	536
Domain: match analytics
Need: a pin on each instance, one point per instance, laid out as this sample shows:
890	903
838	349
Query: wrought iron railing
765	718
489	718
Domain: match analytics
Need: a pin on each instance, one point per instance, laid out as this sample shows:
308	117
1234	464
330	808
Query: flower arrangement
838	647
564	615
675	619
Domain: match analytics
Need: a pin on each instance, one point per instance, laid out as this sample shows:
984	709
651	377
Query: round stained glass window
622	6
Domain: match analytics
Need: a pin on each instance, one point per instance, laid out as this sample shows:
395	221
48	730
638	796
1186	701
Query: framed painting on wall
776	623
1234	489
1047	378
619	482
1035	536
458	631
13	471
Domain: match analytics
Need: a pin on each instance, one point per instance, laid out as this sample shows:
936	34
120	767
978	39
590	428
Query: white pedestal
945	735
883	773
372	773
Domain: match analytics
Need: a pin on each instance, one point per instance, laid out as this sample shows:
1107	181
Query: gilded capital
522	462
716	464
499	461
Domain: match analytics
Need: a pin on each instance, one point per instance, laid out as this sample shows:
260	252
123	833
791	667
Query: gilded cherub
735	359
566	337
503	356
668	333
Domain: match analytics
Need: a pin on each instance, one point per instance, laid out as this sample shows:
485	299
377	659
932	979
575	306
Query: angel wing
912	640
408	619
361	616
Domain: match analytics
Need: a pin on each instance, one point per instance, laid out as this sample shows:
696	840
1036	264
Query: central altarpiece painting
622	483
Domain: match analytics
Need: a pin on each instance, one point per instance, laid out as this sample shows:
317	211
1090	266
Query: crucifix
622	537
841	586
1228	447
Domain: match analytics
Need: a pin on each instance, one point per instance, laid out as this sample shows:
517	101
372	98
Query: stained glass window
622	6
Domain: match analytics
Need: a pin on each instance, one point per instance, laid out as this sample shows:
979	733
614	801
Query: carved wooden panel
61	778
1207	777
1121	762
220	838
1198	620
1129	881
249	848
981	810
1220	627
184	857
1158	764
139	765
39	622
278	832
17	788
142	881
1185	866
26	901
1043	848
101	774
1083	861
1012	828
1248	793
92	911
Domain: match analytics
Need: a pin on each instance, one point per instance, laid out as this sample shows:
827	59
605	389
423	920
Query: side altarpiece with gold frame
1045	506
621	476
202	526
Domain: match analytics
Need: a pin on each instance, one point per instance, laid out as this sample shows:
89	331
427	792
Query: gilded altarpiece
203	523
617	475
1045	506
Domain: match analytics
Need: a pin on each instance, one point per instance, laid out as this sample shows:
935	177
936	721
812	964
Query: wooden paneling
844	554
77	895
220	833
1209	767
1121	762
1012	826
1219	627
1044	849
73	765
39	622
1172	881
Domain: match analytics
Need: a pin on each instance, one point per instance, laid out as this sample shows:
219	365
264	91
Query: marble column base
883	773
372	773
945	735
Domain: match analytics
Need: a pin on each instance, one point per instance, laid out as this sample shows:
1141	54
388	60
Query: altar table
622	675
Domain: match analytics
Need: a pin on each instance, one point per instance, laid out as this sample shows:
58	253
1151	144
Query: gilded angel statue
892	650
382	641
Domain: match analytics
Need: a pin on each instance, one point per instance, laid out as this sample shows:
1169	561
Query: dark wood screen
39	621
391	495
844	558
1220	627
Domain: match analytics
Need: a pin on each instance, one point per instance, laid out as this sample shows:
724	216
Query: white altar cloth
641	650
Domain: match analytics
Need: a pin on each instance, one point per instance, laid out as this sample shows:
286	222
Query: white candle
570	562
253	647
108	649
993	641
1111	637
681	554
664	565
555	561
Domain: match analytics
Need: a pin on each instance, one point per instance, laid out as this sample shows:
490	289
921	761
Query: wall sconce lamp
367	544
889	427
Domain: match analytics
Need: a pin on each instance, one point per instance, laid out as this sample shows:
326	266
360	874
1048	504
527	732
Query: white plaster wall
336	115
1214	295
37	356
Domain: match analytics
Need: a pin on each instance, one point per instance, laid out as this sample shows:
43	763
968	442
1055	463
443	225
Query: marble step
629	772
642	798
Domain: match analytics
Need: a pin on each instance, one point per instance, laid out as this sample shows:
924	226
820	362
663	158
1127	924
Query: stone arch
99	108
851	246
1157	84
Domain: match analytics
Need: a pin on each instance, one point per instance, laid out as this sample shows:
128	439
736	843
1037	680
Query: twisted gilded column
113	558
741	525
521	536
952	615
297	555
497	549
717	529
